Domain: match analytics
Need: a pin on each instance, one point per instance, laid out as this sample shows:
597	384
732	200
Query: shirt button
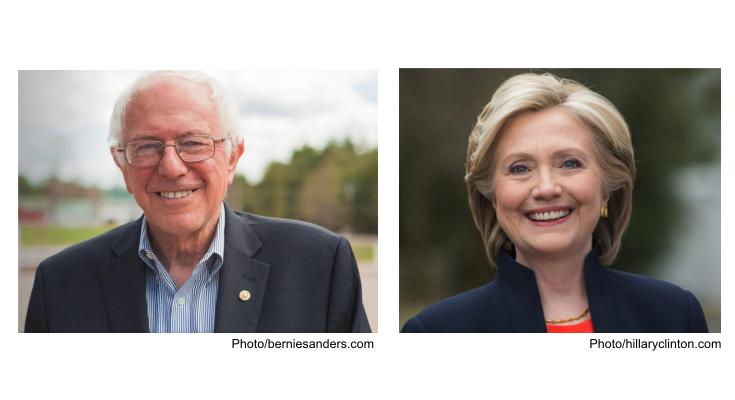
150	256
209	280
181	301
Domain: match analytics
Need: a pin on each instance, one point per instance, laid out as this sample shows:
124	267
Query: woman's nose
546	187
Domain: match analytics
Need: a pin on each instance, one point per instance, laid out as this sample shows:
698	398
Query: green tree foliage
25	188
364	198
336	188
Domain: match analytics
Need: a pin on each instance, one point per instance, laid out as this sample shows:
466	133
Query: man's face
165	112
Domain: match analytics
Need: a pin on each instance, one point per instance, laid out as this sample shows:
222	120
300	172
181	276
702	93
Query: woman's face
548	185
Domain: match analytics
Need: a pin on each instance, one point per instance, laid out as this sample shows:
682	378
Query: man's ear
234	158
123	168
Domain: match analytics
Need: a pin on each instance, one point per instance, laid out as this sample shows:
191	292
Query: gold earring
603	212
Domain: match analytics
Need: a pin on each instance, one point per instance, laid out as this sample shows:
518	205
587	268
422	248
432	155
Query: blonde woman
550	174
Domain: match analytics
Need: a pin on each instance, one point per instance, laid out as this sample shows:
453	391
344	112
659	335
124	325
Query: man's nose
171	165
546	187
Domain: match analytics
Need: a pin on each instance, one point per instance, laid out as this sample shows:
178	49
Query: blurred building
112	208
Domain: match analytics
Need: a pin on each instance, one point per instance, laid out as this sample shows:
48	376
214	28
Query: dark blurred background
674	232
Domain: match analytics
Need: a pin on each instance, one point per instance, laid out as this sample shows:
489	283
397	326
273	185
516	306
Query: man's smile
176	195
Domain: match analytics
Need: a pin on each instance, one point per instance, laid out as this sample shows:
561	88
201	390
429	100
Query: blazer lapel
601	296
240	272
123	281
524	302
123	284
521	294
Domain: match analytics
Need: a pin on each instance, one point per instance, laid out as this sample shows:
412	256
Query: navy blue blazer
618	301
301	278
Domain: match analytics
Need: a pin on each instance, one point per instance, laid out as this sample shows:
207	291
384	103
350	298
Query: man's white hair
226	109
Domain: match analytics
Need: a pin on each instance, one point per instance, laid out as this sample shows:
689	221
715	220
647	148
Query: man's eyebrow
151	136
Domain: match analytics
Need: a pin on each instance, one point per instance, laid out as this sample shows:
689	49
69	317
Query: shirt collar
216	248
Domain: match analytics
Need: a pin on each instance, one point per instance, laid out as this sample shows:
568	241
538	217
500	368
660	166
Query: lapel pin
244	295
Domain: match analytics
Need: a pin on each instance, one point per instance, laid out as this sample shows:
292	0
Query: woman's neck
561	283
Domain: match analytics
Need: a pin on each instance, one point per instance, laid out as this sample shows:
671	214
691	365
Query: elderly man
190	263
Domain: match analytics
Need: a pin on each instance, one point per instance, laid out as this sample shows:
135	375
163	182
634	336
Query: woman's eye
518	169
572	164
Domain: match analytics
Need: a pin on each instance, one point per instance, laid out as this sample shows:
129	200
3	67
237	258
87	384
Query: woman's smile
549	217
548	184
550	172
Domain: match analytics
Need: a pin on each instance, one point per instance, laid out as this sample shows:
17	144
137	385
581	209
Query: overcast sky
63	118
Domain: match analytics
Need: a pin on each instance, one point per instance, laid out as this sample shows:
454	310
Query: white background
366	35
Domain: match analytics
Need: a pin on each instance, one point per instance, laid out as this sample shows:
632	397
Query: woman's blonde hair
609	134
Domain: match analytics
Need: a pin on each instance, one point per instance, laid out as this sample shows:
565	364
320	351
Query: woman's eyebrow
518	155
522	155
567	150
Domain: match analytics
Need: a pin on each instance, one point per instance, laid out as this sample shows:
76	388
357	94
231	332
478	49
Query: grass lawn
53	235
364	253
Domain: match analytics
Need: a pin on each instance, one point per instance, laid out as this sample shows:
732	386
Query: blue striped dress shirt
190	308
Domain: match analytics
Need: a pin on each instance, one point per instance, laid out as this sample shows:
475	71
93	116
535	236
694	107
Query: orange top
582	327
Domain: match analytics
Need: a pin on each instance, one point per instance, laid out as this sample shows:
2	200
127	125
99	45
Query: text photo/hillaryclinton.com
187	201
566	200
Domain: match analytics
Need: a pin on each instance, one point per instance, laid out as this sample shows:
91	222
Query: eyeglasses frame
178	150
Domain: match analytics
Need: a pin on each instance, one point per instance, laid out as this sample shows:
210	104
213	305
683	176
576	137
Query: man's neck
180	254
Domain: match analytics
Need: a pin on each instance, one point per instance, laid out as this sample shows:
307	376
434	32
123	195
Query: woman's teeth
175	195
545	216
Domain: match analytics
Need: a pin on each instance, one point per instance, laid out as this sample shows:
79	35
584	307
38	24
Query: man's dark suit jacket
618	301
301	278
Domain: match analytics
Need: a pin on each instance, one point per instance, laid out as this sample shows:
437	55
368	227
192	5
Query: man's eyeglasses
147	153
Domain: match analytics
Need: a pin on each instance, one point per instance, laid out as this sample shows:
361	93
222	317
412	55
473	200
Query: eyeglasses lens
190	149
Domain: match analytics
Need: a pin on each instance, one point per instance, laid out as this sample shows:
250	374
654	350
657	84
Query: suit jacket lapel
123	281
123	284
240	272
601	296
521	294
524	302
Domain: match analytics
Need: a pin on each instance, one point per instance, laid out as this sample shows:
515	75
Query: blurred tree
55	189
321	197
361	191
270	196
335	187
303	163
235	197
25	187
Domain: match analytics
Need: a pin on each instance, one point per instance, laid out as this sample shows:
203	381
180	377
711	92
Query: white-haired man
191	264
